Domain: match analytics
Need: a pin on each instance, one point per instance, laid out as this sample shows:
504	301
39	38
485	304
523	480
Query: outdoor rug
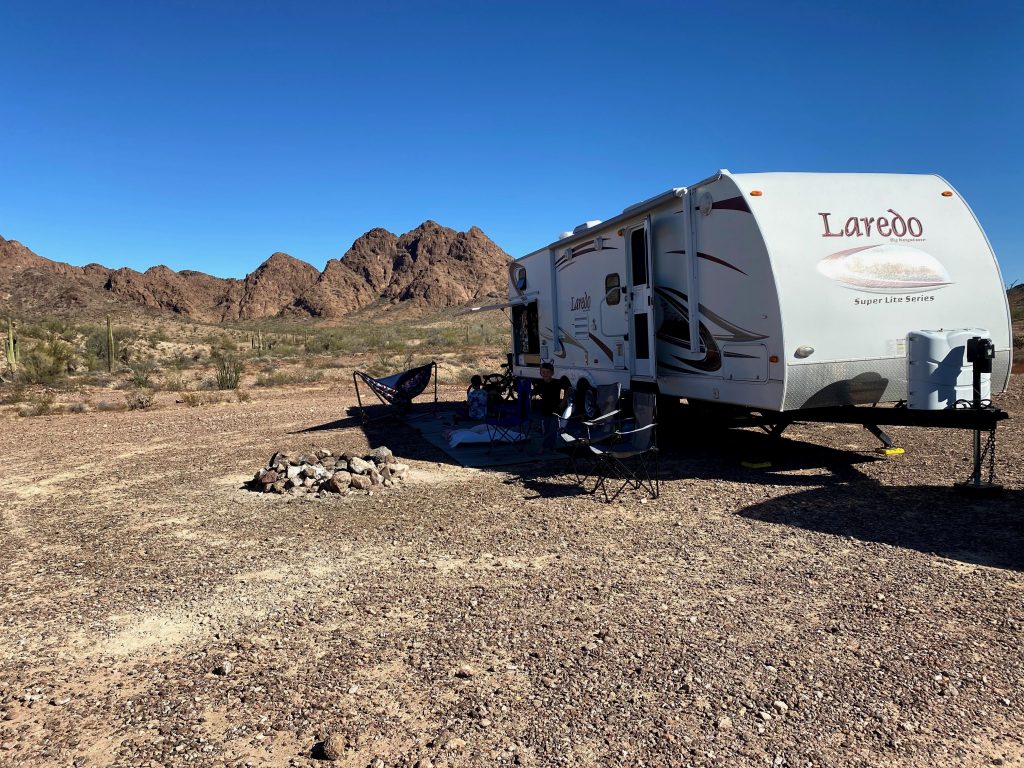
433	428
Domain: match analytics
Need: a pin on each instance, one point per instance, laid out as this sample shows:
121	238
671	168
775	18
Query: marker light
756	193
773	359
947	193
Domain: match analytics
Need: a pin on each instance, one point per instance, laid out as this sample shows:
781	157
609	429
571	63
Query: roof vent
586	225
564	235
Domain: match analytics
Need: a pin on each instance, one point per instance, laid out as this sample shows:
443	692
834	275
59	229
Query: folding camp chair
631	455
578	435
396	391
509	420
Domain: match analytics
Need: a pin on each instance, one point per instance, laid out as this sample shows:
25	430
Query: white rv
774	291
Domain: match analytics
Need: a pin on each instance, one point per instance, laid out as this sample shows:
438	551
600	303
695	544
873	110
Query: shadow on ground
933	519
831	494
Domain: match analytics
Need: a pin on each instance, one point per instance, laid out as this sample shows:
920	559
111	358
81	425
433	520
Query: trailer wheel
586	400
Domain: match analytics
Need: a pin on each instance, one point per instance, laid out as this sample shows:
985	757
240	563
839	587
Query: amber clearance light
756	193
947	193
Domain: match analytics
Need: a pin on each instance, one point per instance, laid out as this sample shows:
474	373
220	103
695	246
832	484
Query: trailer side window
638	255
612	291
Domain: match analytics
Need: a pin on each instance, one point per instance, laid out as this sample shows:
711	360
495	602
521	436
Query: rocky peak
372	257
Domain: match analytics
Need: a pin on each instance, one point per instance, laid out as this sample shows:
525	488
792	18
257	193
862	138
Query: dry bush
40	405
139	401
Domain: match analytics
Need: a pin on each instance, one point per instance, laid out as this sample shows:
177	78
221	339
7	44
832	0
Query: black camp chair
396	391
579	434
509	421
631	455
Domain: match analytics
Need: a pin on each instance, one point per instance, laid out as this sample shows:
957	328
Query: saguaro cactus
11	347
110	346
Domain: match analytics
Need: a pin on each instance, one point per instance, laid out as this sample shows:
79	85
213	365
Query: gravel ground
836	608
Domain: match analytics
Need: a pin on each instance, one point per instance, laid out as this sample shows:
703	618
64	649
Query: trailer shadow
938	520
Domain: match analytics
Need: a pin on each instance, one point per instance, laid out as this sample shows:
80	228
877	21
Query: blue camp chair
396	391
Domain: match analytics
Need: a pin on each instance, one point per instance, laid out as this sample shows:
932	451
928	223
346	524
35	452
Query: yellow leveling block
890	451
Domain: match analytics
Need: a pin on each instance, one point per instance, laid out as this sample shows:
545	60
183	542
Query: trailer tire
586	400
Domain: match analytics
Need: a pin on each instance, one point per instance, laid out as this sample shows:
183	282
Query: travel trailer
775	292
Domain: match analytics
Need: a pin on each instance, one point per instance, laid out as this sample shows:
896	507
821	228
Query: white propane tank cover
586	225
938	374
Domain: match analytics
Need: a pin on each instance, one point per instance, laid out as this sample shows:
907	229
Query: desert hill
431	266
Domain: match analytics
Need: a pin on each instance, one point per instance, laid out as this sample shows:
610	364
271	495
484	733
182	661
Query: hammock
398	390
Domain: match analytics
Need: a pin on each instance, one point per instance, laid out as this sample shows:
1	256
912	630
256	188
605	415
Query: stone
359	466
278	487
223	668
361	482
333	747
399	471
781	707
375	477
269	477
339	482
724	723
293	471
381	455
465	672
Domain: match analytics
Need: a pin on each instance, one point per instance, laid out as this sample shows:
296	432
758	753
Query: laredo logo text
886	226
580	303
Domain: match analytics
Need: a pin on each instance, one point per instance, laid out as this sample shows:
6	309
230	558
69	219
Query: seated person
476	399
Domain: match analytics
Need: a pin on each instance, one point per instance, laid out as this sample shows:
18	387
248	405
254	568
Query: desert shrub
13	394
222	342
280	378
1018	342
39	405
229	371
244	396
139	401
156	336
107	405
192	399
173	382
80	407
142	372
45	363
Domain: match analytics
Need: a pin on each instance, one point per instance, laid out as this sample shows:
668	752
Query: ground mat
434	429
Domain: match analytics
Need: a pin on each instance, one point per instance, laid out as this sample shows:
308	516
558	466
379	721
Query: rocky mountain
429	266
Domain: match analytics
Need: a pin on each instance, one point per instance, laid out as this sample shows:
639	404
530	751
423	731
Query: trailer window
526	329
612	289
638	255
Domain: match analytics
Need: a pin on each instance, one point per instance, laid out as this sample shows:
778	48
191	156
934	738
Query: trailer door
641	308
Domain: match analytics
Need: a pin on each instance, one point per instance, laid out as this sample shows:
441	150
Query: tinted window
612	294
638	254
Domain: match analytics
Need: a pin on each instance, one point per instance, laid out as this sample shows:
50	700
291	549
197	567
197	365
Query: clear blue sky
207	135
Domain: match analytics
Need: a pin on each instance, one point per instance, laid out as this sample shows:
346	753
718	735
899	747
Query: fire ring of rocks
322	472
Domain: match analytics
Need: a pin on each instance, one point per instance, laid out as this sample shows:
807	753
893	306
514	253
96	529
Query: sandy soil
836	608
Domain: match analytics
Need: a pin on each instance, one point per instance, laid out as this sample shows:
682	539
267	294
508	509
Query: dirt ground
834	609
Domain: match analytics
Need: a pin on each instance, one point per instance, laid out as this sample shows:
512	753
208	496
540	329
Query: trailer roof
630	212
